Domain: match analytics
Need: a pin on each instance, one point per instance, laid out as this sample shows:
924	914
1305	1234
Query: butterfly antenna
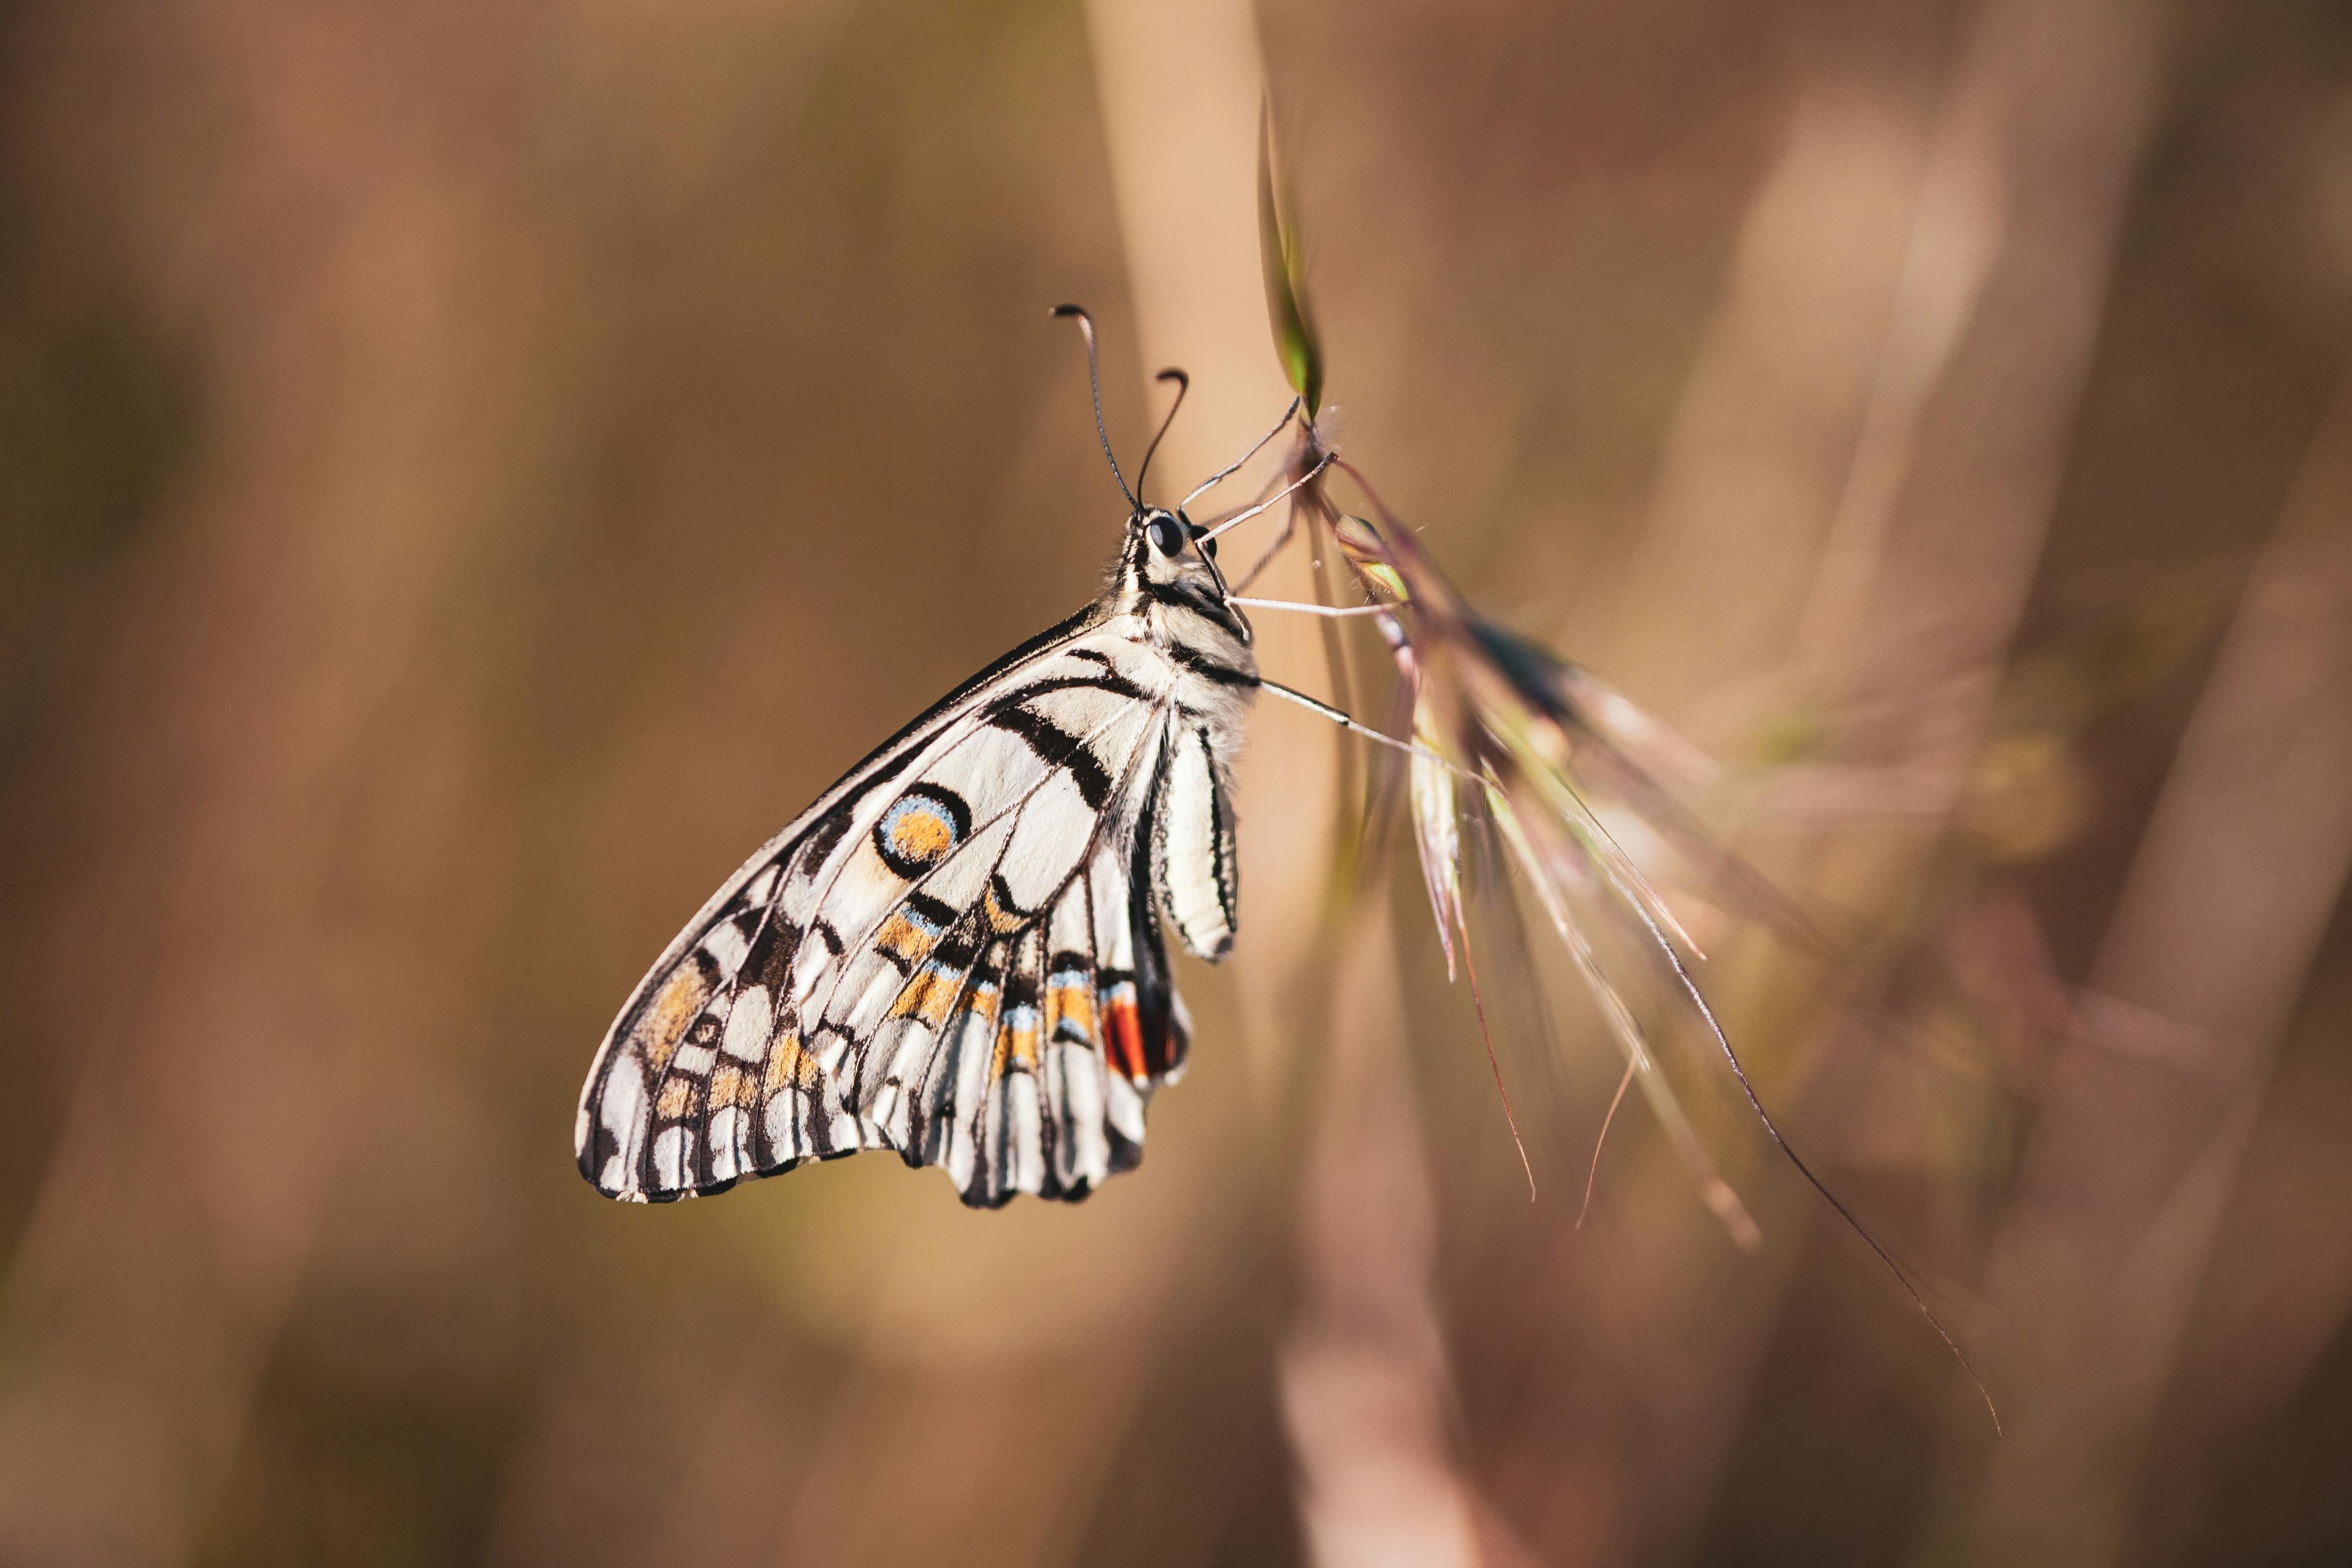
1094	379
1183	384
1227	472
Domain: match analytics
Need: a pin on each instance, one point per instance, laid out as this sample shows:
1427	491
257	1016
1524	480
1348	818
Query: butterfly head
1172	536
1168	561
1169	557
1167	547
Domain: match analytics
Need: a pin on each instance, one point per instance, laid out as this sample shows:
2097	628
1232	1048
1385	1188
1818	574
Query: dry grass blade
1295	340
1499	704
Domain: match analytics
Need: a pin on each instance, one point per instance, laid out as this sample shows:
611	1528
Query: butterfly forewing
956	953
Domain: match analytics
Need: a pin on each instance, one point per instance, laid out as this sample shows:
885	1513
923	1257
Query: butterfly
956	952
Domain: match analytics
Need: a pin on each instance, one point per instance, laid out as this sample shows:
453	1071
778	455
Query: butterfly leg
1221	475
1246	513
1265	558
1347	723
1329	611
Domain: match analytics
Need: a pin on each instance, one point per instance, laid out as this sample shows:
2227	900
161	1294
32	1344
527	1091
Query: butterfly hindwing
1193	866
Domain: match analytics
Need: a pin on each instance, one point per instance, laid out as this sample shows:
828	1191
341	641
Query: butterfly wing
1190	832
954	954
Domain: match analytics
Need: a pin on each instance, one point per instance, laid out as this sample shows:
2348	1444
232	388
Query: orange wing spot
905	939
927	995
1004	921
730	1086
664	1023
1072	1004
676	1096
789	1067
1016	1044
921	835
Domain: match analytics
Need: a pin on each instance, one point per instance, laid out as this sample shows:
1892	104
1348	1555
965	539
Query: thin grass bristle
1593	1172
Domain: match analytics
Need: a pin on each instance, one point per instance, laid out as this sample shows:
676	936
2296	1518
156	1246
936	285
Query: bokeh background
469	472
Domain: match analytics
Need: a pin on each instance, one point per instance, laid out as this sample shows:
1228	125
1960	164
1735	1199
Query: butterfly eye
1167	537
1196	530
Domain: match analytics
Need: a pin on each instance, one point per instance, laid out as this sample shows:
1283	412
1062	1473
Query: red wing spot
1123	1033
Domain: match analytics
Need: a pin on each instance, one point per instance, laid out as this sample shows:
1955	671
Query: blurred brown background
468	473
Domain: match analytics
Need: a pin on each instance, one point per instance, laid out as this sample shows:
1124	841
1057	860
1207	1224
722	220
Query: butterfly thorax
1179	598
